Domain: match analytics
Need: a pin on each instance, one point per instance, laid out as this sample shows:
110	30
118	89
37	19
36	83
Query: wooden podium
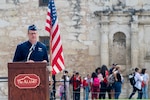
28	81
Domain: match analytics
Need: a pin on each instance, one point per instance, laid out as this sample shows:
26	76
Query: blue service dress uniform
39	52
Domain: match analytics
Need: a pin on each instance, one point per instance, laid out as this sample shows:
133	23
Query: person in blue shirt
31	50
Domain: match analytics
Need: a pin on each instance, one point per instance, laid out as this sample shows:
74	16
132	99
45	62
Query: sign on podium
28	81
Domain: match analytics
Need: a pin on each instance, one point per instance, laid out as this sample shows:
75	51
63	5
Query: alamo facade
93	33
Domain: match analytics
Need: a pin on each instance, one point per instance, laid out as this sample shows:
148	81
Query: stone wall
81	26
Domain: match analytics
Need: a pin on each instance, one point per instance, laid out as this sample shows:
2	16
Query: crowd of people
100	82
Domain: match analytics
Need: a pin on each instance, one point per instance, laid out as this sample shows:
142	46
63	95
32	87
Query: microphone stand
32	48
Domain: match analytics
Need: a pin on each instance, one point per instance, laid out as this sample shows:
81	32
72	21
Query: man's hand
30	61
44	61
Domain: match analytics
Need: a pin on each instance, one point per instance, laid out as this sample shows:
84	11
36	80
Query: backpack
132	80
111	79
96	82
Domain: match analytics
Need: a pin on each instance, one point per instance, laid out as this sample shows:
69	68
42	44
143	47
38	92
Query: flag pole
53	88
48	28
50	63
56	59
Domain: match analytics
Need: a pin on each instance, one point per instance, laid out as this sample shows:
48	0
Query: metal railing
55	90
3	79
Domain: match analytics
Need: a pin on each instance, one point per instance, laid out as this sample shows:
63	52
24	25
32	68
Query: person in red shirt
87	86
76	86
71	84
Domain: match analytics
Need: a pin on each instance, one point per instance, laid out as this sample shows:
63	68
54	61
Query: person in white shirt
67	84
138	85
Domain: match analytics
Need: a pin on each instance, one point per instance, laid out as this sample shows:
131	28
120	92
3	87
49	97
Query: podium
28	81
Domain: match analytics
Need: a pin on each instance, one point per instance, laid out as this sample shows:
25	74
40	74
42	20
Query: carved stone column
104	41
134	42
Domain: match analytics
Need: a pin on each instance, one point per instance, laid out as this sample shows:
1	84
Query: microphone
32	48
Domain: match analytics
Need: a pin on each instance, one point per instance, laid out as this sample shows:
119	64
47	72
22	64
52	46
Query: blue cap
32	27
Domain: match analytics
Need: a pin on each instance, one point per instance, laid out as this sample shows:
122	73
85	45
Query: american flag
57	59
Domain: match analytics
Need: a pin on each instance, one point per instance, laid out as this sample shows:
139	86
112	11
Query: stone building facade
93	32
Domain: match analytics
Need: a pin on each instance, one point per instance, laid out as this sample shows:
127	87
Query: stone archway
119	48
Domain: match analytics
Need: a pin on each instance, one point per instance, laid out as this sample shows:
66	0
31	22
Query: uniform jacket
39	53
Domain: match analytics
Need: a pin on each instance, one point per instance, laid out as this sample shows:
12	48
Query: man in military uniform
31	50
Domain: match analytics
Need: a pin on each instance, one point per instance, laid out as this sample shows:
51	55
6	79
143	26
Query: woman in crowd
118	81
110	87
95	86
99	75
76	86
87	86
104	82
145	83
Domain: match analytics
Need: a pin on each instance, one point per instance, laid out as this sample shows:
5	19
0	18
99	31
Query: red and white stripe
57	59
